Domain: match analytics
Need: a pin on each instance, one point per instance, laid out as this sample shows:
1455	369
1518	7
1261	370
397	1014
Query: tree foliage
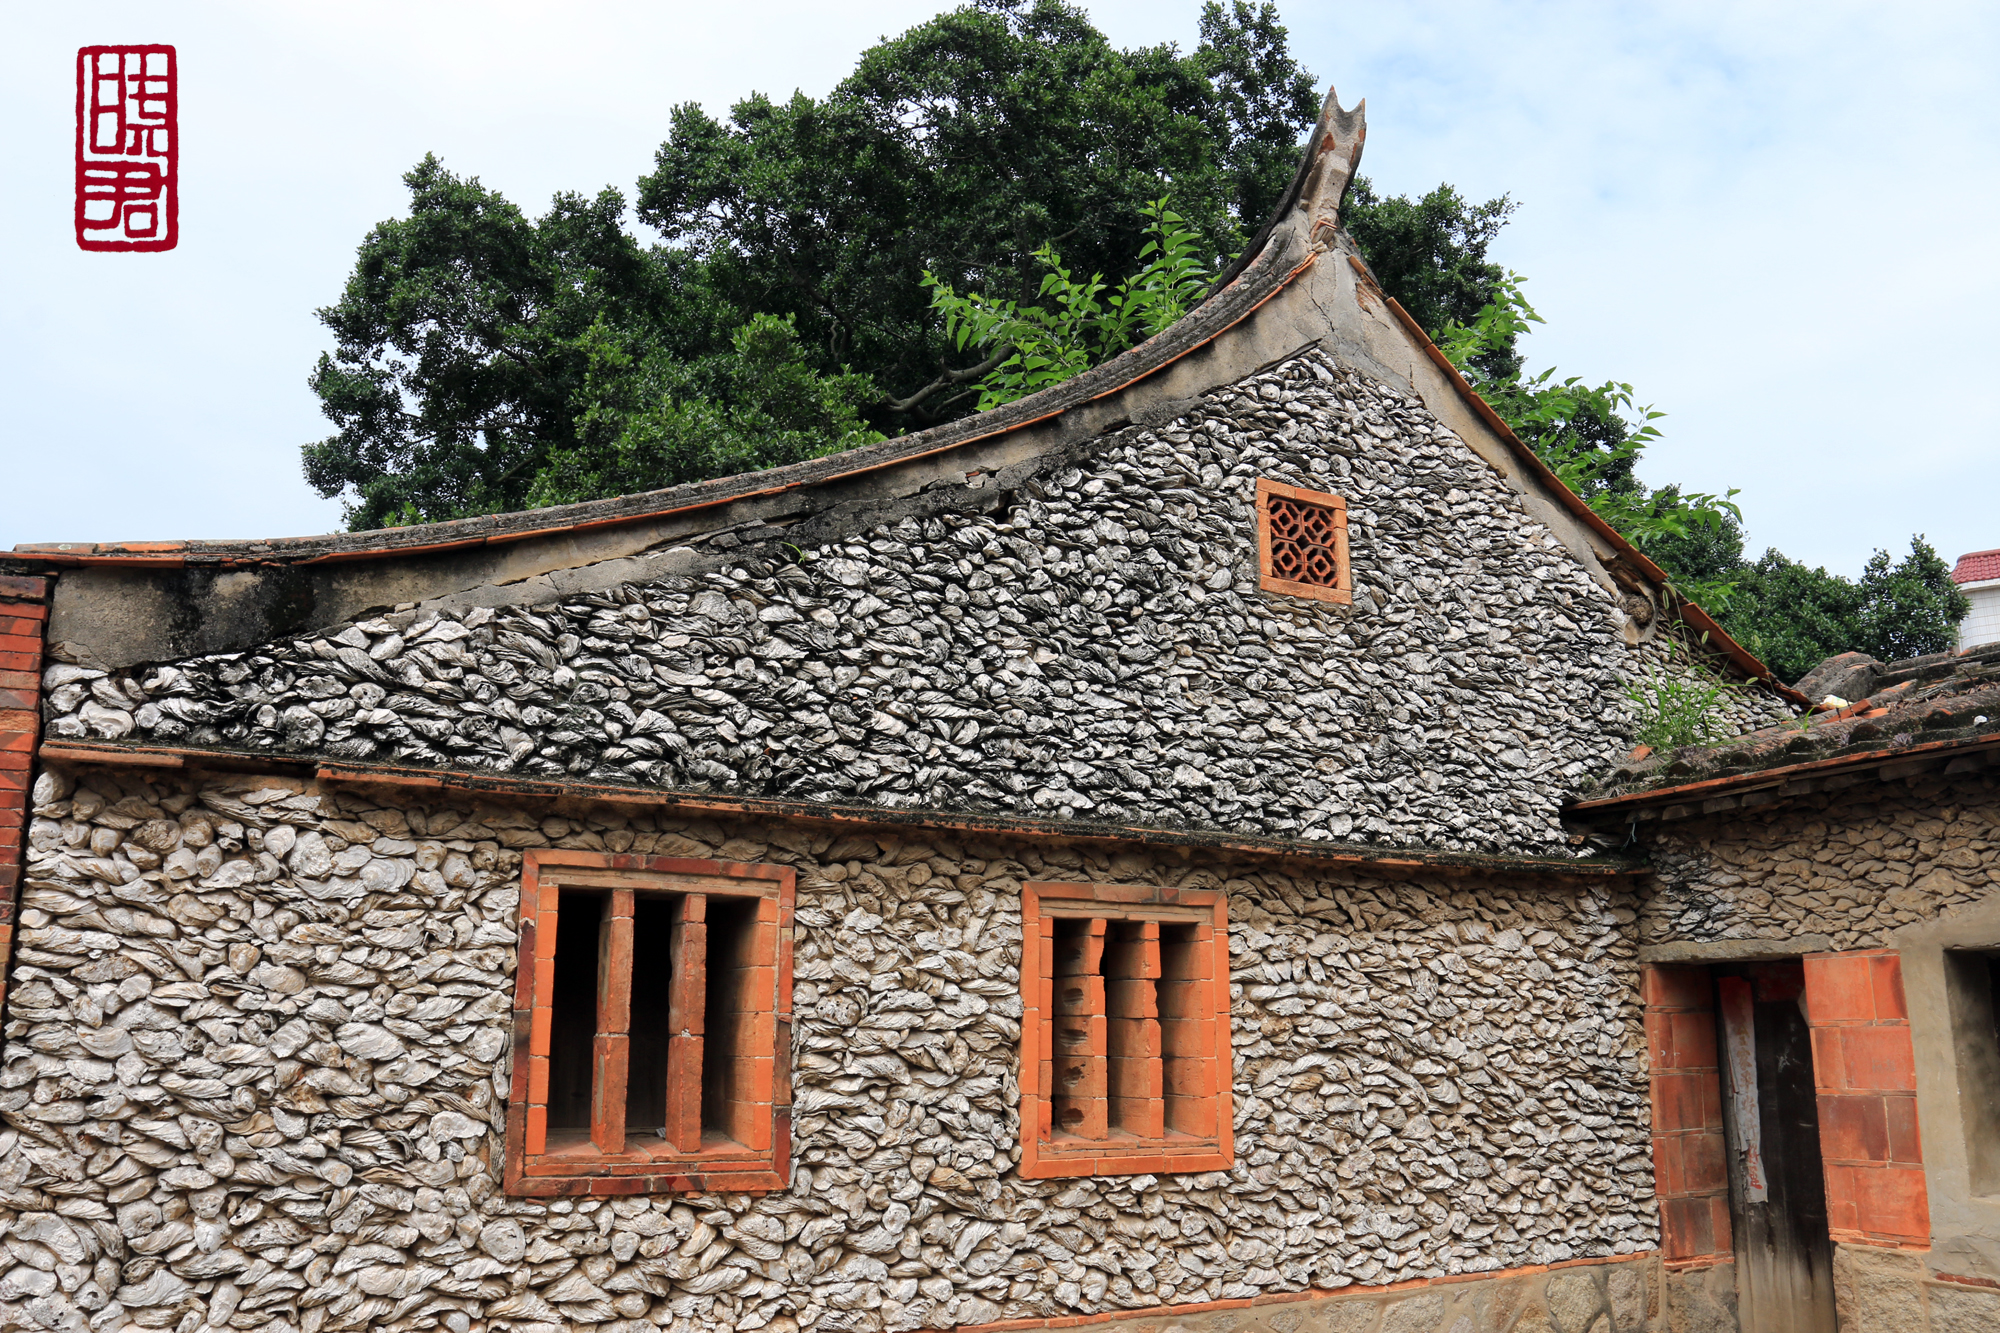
1591	436
1795	616
458	351
479	352
960	149
653	420
1791	616
1430	254
1076	323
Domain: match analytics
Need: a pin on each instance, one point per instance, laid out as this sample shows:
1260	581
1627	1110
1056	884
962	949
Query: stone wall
1852	865
1588	1296
1892	1291
256	1065
1087	641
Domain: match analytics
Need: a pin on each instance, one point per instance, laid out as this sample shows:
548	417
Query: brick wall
1864	1069
1690	1170
24	616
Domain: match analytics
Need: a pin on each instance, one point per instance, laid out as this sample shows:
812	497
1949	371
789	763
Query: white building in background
1978	577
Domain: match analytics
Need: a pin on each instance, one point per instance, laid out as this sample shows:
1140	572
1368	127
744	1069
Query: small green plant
1679	708
1081	322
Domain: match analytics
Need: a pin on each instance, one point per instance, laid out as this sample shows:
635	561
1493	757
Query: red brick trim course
24	618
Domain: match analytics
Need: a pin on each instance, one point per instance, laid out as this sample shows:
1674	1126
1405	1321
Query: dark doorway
1777	1190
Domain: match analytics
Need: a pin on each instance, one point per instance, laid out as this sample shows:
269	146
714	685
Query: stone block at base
1879	1290
1595	1296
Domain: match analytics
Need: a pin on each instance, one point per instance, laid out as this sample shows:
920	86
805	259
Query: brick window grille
652	1026
1125	1064
1302	543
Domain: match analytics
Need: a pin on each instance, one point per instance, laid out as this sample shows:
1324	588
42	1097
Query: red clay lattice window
1125	1064
1302	543
652	1026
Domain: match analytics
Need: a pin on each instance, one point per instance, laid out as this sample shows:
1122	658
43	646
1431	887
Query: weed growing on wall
1676	708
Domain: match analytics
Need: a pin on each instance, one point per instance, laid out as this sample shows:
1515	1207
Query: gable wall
305	1057
1094	647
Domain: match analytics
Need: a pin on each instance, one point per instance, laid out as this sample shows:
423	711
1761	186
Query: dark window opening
573	1026
656	1018
733	1009
1972	980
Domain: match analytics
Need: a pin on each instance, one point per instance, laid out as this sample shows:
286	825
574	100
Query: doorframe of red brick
1864	1071
1690	1163
24	620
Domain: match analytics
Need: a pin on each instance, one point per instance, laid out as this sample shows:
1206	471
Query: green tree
1430	254
458	356
959	149
1795	616
1910	608
1591	436
655	420
466	377
1077	323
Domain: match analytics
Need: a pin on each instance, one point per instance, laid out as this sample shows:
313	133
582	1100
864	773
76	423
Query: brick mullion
687	1019
1078	1100
23	624
1132	1030
1038	1052
611	1051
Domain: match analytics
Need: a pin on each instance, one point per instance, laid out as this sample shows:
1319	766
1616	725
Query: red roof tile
1977	567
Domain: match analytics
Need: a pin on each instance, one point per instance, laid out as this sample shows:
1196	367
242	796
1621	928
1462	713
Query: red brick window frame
1125	1065
1302	543
652	1026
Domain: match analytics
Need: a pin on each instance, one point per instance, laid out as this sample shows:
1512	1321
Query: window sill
572	1164
1123	1155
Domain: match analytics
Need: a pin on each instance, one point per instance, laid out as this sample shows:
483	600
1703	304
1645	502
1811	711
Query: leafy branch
1586	433
1078	322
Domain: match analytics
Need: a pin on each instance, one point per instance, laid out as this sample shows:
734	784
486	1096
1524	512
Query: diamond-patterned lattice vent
1303	535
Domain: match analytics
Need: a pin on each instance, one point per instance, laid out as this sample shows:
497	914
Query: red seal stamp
127	148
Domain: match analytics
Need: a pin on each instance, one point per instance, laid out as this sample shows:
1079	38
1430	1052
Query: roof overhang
1767	786
462	784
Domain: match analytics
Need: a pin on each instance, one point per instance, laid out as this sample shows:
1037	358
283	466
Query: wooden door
1777	1191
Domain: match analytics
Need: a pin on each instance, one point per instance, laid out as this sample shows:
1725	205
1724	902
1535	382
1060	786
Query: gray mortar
1079	636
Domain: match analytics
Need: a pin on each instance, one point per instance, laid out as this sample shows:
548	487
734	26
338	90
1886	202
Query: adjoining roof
1938	713
1977	567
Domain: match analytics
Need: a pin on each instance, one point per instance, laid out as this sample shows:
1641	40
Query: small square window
1302	543
652	1026
1125	1063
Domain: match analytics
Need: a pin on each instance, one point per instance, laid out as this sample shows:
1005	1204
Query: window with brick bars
1125	1063
1302	543
652	1026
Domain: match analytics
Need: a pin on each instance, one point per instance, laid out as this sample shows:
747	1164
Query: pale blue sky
1772	219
